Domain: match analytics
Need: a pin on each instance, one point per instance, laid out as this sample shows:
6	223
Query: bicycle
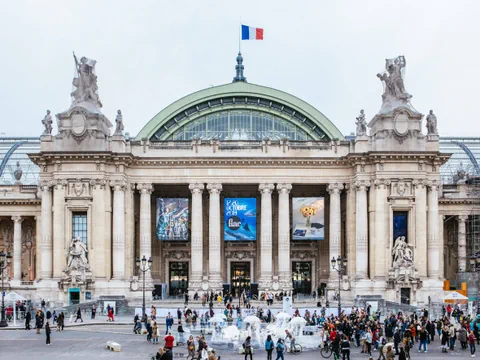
296	349
326	351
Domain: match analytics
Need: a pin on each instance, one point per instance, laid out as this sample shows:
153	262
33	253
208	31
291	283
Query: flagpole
240	36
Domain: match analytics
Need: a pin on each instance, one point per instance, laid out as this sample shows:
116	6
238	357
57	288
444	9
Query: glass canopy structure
240	125
13	150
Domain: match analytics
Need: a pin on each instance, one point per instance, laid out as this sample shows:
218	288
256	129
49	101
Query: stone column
145	222
361	234
420	256
118	235
59	245
350	236
214	238
462	243
99	239
334	226
284	272
46	245
266	268
197	238
17	248
382	238
433	249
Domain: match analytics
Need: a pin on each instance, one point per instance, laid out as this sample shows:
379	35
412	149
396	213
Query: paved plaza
88	342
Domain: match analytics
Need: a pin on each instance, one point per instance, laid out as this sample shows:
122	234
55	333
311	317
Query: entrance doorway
74	296
178	277
405	296
302	277
240	277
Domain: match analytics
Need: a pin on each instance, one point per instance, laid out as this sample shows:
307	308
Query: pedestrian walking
94	311
155	333
471	343
169	341
345	348
247	346
280	348
28	318
38	321
79	314
191	347
269	345
48	332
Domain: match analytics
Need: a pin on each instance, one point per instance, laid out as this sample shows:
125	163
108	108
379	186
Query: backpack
280	347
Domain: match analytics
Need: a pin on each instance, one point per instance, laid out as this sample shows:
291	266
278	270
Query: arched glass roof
271	113
13	150
465	154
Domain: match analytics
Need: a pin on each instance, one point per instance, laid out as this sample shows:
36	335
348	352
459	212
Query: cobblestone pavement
89	342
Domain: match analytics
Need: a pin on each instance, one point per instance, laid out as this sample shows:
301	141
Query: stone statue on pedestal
431	124
394	86
119	123
402	254
85	82
361	124
47	122
77	259
17	174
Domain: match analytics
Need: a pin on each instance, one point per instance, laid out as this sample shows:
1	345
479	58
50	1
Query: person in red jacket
333	335
169	340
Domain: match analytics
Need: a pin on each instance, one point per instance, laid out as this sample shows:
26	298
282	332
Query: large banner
172	219
240	215
308	218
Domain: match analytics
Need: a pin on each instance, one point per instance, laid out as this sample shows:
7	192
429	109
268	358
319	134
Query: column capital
118	185
382	183
335	187
17	219
59	184
145	188
266	188
196	188
98	183
432	184
284	188
214	188
420	183
45	185
361	185
462	218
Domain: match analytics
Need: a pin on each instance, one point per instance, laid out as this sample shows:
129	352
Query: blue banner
240	216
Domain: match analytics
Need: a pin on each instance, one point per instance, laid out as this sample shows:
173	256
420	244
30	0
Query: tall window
79	226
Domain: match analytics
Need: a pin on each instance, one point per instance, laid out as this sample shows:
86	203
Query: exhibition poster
240	216
172	219
308	218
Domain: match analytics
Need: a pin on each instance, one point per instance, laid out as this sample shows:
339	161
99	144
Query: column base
265	283
215	283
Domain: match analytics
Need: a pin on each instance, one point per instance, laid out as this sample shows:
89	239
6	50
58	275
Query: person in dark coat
79	314
28	318
38	321
48	331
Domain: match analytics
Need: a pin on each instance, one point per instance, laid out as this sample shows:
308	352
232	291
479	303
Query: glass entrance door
240	277
302	277
178	278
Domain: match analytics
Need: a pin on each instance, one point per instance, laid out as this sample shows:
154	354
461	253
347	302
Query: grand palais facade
237	186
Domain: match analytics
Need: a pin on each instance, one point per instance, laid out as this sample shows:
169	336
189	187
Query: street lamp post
144	265
340	266
5	260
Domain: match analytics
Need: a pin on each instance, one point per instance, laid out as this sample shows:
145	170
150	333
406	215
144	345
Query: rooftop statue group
392	77
85	82
361	124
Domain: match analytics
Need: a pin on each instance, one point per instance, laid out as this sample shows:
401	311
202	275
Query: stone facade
115	180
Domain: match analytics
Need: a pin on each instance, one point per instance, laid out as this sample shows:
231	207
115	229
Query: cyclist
289	335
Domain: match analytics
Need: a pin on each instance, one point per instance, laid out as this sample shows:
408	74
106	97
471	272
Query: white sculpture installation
85	82
77	259
361	124
47	122
119	123
402	254
432	123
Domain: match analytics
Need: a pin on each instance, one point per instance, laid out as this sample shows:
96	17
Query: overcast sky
151	53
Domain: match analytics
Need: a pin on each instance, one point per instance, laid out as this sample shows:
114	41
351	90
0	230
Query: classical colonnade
426	226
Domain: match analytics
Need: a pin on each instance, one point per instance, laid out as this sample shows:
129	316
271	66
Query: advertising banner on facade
172	219
240	219
308	218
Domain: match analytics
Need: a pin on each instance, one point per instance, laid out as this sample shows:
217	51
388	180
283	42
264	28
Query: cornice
20	201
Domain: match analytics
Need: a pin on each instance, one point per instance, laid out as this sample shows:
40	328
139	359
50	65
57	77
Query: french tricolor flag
251	33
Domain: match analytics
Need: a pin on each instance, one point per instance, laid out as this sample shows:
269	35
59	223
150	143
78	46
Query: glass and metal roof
240	125
465	155
13	150
272	113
